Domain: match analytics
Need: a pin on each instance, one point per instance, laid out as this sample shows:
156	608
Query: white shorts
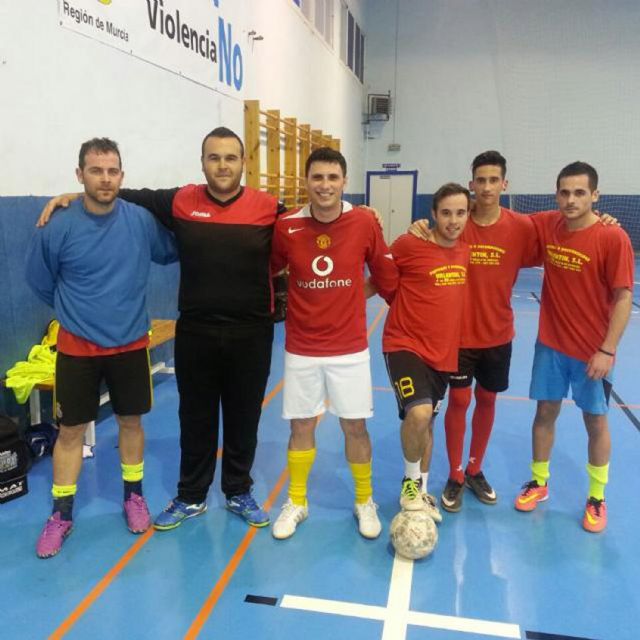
345	381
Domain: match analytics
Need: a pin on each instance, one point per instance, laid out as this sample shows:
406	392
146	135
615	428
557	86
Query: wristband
607	353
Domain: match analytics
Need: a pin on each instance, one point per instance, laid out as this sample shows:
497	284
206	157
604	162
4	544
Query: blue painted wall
23	318
355	199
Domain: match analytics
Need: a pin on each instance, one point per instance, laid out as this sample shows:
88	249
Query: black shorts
414	381
77	385
490	367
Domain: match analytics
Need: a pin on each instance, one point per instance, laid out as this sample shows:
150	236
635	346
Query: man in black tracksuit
225	330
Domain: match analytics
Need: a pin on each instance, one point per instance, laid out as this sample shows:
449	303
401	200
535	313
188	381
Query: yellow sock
540	472
63	491
598	478
299	463
361	473
132	472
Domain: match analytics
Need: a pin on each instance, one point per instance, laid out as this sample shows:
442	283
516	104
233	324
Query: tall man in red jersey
326	245
421	334
585	306
501	242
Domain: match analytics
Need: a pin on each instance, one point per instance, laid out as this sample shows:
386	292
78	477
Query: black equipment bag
14	461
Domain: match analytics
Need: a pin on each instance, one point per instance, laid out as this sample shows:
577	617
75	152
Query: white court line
336	607
395	625
466	625
396	615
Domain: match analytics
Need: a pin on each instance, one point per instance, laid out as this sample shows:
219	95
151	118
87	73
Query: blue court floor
496	573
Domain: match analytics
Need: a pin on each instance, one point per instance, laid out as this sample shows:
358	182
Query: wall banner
199	39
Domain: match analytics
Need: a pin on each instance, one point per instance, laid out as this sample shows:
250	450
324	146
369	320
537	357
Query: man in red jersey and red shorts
585	306
421	334
326	245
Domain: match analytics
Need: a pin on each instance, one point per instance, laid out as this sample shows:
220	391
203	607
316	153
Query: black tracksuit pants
225	369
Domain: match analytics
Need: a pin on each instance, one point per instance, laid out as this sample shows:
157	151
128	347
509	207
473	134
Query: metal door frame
395	173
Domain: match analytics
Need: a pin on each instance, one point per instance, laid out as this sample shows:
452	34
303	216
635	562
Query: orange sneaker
531	494
595	515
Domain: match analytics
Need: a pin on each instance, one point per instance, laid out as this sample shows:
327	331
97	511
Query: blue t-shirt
94	269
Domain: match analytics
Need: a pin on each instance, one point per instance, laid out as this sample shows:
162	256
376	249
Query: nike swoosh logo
491	495
591	519
522	500
290	230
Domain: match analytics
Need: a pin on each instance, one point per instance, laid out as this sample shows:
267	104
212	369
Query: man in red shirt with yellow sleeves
585	306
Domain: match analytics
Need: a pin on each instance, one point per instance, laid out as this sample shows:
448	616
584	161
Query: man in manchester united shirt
326	245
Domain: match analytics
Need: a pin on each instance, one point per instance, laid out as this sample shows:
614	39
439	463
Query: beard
224	185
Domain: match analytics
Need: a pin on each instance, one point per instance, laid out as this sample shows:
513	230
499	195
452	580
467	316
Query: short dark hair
579	169
449	189
223	132
98	145
494	158
326	154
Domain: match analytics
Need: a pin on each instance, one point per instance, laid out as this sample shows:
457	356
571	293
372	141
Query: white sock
412	469
425	477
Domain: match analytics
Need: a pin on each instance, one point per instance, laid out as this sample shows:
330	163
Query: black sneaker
451	498
479	485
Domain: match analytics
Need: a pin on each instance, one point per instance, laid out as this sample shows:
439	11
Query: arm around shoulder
62	201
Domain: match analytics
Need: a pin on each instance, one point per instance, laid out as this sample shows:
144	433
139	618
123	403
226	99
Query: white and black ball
413	534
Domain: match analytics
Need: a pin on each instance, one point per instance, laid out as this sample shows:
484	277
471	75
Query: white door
392	195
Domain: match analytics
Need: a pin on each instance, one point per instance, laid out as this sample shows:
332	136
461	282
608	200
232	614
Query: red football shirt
581	270
498	251
426	312
326	309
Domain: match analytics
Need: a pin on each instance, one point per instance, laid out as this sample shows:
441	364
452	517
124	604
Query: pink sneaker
137	514
55	531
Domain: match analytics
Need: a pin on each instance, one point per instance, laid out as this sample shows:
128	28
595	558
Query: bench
161	331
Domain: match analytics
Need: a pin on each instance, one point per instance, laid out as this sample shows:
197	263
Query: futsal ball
414	534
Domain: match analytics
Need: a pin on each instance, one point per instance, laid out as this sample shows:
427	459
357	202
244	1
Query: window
351	42
320	14
324	19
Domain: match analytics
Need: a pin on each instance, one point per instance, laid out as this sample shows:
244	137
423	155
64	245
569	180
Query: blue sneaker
246	507
177	511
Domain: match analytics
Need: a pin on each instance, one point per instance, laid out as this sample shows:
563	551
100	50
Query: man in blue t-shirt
92	266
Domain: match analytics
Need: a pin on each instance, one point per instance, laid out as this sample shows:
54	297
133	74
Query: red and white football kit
326	311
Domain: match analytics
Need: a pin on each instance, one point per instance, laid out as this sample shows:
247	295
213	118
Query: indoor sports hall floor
495	573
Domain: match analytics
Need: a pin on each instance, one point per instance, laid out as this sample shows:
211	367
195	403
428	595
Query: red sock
481	425
454	427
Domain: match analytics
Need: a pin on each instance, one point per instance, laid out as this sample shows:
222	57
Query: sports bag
15	460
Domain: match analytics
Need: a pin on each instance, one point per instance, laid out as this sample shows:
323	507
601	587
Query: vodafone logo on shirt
322	266
318	269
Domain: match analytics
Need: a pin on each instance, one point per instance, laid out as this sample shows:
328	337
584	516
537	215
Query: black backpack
14	461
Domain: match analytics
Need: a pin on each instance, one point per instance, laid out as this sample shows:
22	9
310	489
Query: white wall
545	82
60	88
